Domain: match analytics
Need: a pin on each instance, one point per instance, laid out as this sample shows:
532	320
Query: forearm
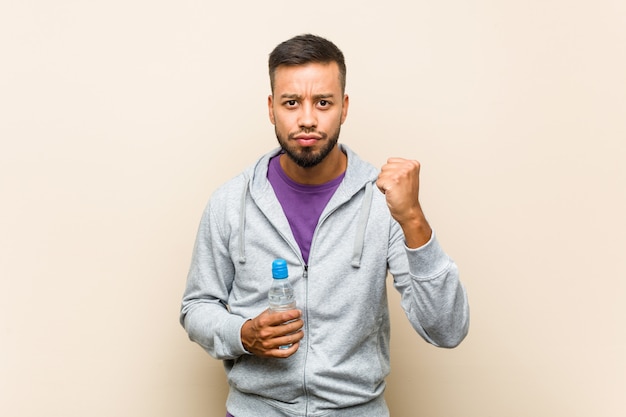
215	329
433	297
203	311
417	232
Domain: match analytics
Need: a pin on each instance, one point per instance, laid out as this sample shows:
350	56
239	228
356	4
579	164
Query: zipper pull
305	273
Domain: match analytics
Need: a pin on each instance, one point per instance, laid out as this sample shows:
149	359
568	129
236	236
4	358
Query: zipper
305	312
305	276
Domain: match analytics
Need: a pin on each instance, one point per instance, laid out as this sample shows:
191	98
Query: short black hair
305	49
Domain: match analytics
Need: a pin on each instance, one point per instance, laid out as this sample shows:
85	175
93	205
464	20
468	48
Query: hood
360	177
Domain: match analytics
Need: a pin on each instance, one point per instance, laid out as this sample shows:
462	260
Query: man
312	202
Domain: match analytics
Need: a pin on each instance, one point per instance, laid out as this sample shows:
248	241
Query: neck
330	168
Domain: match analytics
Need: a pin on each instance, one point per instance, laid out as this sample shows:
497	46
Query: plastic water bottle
281	295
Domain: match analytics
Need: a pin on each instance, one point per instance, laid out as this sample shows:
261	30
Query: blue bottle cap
279	269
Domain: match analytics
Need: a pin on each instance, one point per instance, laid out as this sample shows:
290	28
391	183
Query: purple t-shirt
302	203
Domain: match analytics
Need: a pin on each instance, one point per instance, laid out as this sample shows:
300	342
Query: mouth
306	140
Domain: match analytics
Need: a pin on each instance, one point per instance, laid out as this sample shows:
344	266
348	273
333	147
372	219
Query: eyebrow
315	97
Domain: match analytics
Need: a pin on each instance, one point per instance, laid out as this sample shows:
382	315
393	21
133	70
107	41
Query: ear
344	110
270	108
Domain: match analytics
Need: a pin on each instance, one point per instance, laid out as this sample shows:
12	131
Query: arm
432	295
206	318
204	314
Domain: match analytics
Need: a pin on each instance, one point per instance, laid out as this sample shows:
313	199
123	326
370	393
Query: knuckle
265	334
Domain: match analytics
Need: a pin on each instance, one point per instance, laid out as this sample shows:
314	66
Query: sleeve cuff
232	336
427	261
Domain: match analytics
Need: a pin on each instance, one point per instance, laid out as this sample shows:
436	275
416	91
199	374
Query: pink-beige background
119	118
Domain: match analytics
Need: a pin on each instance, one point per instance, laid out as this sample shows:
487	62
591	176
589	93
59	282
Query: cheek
332	121
284	121
280	128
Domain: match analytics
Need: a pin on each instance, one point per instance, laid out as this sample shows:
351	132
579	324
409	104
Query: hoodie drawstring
359	239
242	223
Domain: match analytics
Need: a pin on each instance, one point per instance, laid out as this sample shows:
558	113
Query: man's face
307	108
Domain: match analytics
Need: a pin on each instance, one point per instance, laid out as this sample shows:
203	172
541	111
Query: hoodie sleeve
204	313
432	295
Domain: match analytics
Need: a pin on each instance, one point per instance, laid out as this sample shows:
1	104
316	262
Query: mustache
309	132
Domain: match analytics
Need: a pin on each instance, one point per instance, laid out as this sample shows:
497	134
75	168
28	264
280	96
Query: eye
290	103
324	103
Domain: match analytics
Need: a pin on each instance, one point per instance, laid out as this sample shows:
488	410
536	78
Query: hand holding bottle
280	326
266	333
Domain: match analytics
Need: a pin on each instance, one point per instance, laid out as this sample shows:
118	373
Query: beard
307	157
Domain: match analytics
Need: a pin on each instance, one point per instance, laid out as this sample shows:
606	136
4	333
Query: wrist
242	335
417	232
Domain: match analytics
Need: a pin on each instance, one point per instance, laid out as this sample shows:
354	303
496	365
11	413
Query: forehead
313	76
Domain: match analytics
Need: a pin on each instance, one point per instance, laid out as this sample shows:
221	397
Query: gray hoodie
343	359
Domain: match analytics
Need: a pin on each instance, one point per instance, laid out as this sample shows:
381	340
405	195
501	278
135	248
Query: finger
285	353
394	160
292	326
382	183
294	336
276	318
287	340
393	163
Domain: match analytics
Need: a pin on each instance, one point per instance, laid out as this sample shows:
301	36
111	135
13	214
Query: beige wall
119	118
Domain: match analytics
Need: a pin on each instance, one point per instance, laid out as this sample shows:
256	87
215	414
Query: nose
307	118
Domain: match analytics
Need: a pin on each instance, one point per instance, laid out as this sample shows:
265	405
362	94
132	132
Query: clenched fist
399	181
